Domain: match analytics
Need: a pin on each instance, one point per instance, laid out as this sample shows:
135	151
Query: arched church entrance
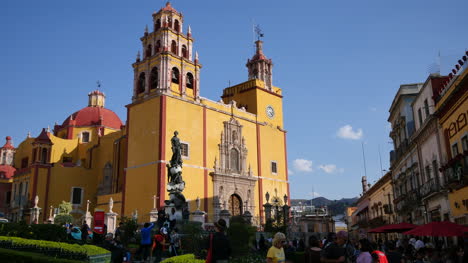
235	205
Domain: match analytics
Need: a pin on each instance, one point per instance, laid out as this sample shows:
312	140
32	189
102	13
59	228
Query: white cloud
302	165
347	132
290	172
328	168
331	168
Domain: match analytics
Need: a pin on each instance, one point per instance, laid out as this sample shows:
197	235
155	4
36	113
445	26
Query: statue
36	201
176	147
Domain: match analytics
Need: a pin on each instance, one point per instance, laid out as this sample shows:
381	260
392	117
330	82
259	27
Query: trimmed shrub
193	240
48	232
187	258
251	258
50	248
241	236
9	255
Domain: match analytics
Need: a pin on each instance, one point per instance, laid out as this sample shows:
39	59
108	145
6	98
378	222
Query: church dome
94	116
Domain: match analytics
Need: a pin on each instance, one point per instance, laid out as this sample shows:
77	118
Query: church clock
270	112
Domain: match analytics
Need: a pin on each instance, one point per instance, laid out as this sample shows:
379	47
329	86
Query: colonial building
230	162
374	207
404	160
7	156
451	104
428	145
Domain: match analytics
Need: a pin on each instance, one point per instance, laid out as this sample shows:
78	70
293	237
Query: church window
175	75
148	51
157	25
141	83
176	25
8	197
184	149
455	149
174	47
234	160
274	167
461	121
157	47
169	20
67	159
44	155
426	108
184	51
24	162
3	158
85	137
234	136
154	78
189	83
77	195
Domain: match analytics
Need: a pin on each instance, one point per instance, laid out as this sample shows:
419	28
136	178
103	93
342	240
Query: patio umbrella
438	229
393	228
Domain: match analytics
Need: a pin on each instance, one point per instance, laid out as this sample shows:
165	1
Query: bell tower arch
166	64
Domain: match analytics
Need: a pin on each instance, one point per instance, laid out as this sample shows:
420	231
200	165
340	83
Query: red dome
92	116
8	144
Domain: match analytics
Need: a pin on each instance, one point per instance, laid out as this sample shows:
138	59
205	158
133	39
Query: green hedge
187	258
50	248
48	232
8	255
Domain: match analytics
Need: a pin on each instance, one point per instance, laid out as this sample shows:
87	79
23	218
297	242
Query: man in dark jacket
220	245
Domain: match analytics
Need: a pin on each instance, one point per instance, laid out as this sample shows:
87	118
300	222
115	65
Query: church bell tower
167	64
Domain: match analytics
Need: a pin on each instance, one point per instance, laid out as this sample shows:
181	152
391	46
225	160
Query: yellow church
233	150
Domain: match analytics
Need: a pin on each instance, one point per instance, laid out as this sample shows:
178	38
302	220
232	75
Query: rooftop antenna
364	159
380	159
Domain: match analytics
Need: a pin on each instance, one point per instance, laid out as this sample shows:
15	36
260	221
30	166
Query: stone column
110	218
88	216
267	208
154	212
224	214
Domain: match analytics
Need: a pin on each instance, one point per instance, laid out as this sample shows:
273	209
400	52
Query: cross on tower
259	32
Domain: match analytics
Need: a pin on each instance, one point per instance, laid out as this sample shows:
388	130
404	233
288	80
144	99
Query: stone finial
111	205
138	56
198	203
36	201
189	30
29	134
87	206
196	55
48	128
146	29
51	211
154	201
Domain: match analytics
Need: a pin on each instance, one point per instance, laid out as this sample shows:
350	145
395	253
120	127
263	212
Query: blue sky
339	64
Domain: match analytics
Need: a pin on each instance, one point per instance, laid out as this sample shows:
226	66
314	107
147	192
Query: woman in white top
366	249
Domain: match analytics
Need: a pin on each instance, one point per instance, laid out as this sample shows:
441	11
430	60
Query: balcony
429	188
388	210
456	172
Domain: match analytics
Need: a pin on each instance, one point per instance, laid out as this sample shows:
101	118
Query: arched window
44	155
157	25
148	51
175	75
234	136
176	25
461	121
189	83
141	83
154	78
184	51
234	160
157	48
169	24
174	47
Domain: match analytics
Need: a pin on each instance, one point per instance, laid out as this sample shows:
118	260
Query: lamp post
285	210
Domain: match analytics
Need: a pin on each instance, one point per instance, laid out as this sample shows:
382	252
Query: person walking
84	232
276	252
158	245
335	250
145	247
366	249
219	246
175	242
312	253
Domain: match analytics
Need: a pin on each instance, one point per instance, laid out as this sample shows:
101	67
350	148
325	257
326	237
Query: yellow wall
458	197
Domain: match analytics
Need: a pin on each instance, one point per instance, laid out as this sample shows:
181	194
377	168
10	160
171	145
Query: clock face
270	112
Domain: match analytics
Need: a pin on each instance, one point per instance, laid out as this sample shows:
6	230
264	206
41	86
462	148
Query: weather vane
259	32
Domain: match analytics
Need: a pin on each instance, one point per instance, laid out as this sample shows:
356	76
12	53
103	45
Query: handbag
209	255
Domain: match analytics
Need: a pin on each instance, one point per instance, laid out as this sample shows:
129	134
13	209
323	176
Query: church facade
233	150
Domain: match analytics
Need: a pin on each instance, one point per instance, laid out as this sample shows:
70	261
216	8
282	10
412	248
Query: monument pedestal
224	214
153	215
35	212
88	218
199	216
110	220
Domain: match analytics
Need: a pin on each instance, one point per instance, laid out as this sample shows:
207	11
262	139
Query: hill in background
336	207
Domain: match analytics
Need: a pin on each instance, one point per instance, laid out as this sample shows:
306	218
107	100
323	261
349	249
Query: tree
64	217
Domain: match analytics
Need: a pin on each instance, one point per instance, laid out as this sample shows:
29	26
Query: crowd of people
340	248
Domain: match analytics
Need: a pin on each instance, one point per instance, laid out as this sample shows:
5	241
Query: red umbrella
394	228
438	229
